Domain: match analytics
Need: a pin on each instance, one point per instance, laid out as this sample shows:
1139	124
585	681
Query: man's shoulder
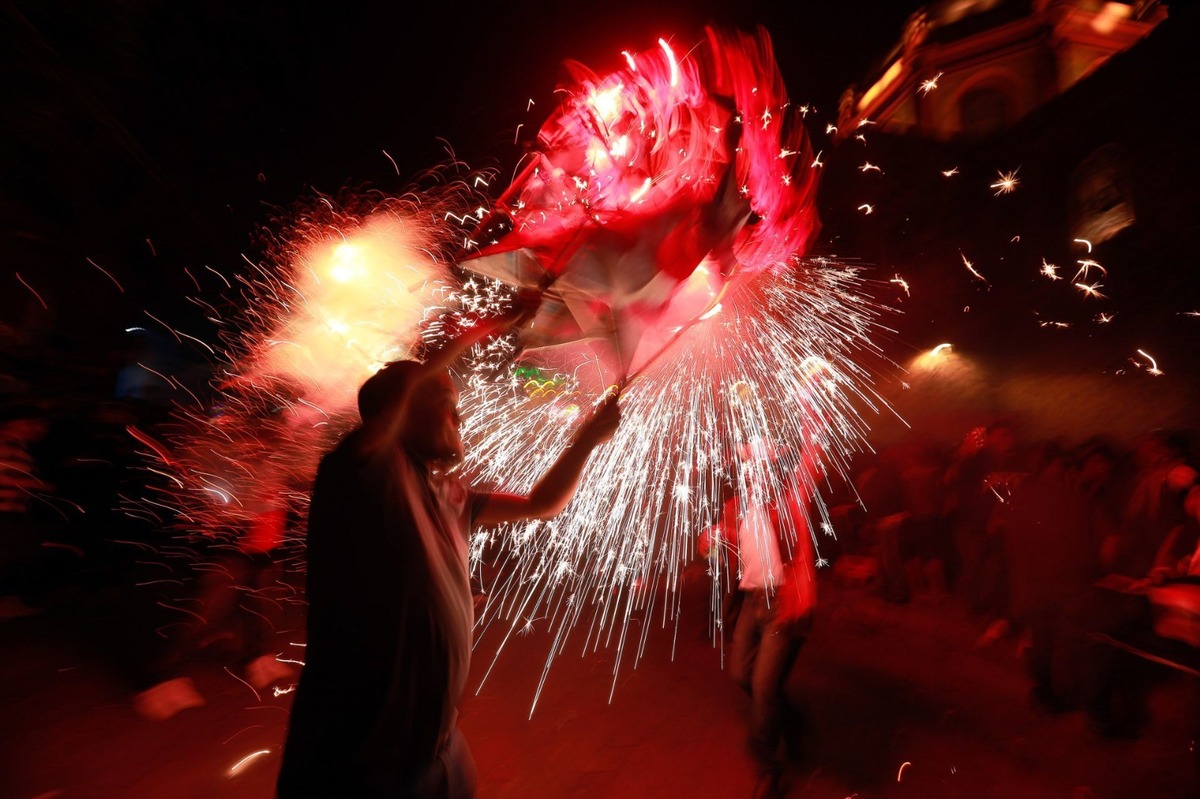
347	455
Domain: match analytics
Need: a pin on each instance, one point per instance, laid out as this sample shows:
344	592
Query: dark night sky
151	136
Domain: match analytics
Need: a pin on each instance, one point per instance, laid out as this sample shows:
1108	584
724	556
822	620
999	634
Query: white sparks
1085	268
949	173
971	267
1153	367
782	347
1006	182
866	208
1050	270
929	84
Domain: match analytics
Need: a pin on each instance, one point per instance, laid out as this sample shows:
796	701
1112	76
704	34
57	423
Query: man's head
428	428
385	389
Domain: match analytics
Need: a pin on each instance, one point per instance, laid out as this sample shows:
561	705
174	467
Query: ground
900	702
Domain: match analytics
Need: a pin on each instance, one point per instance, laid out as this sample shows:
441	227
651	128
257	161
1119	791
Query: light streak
817	162
257	697
949	173
1006	183
187	271
1085	267
1153	367
866	208
392	160
1050	270
218	274
32	291
902	283
868	166
971	267
900	773
671	58
239	732
1091	290
108	275
169	329
1084	242
236	767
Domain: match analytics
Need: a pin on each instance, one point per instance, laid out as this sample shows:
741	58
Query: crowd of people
1083	555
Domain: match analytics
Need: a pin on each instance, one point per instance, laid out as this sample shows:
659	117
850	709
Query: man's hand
603	424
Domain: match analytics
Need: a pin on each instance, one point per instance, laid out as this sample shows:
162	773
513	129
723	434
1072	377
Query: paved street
900	702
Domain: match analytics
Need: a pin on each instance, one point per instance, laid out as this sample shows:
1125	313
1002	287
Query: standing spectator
1118	682
1051	565
1155	505
777	582
980	483
1179	556
1103	496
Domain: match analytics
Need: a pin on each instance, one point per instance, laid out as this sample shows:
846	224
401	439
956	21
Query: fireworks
722	339
780	365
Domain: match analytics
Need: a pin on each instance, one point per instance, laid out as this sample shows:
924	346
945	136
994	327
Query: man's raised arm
552	493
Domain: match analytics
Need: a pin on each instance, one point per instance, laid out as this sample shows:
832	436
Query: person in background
989	467
1051	564
1149	551
777	582
390	607
235	599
